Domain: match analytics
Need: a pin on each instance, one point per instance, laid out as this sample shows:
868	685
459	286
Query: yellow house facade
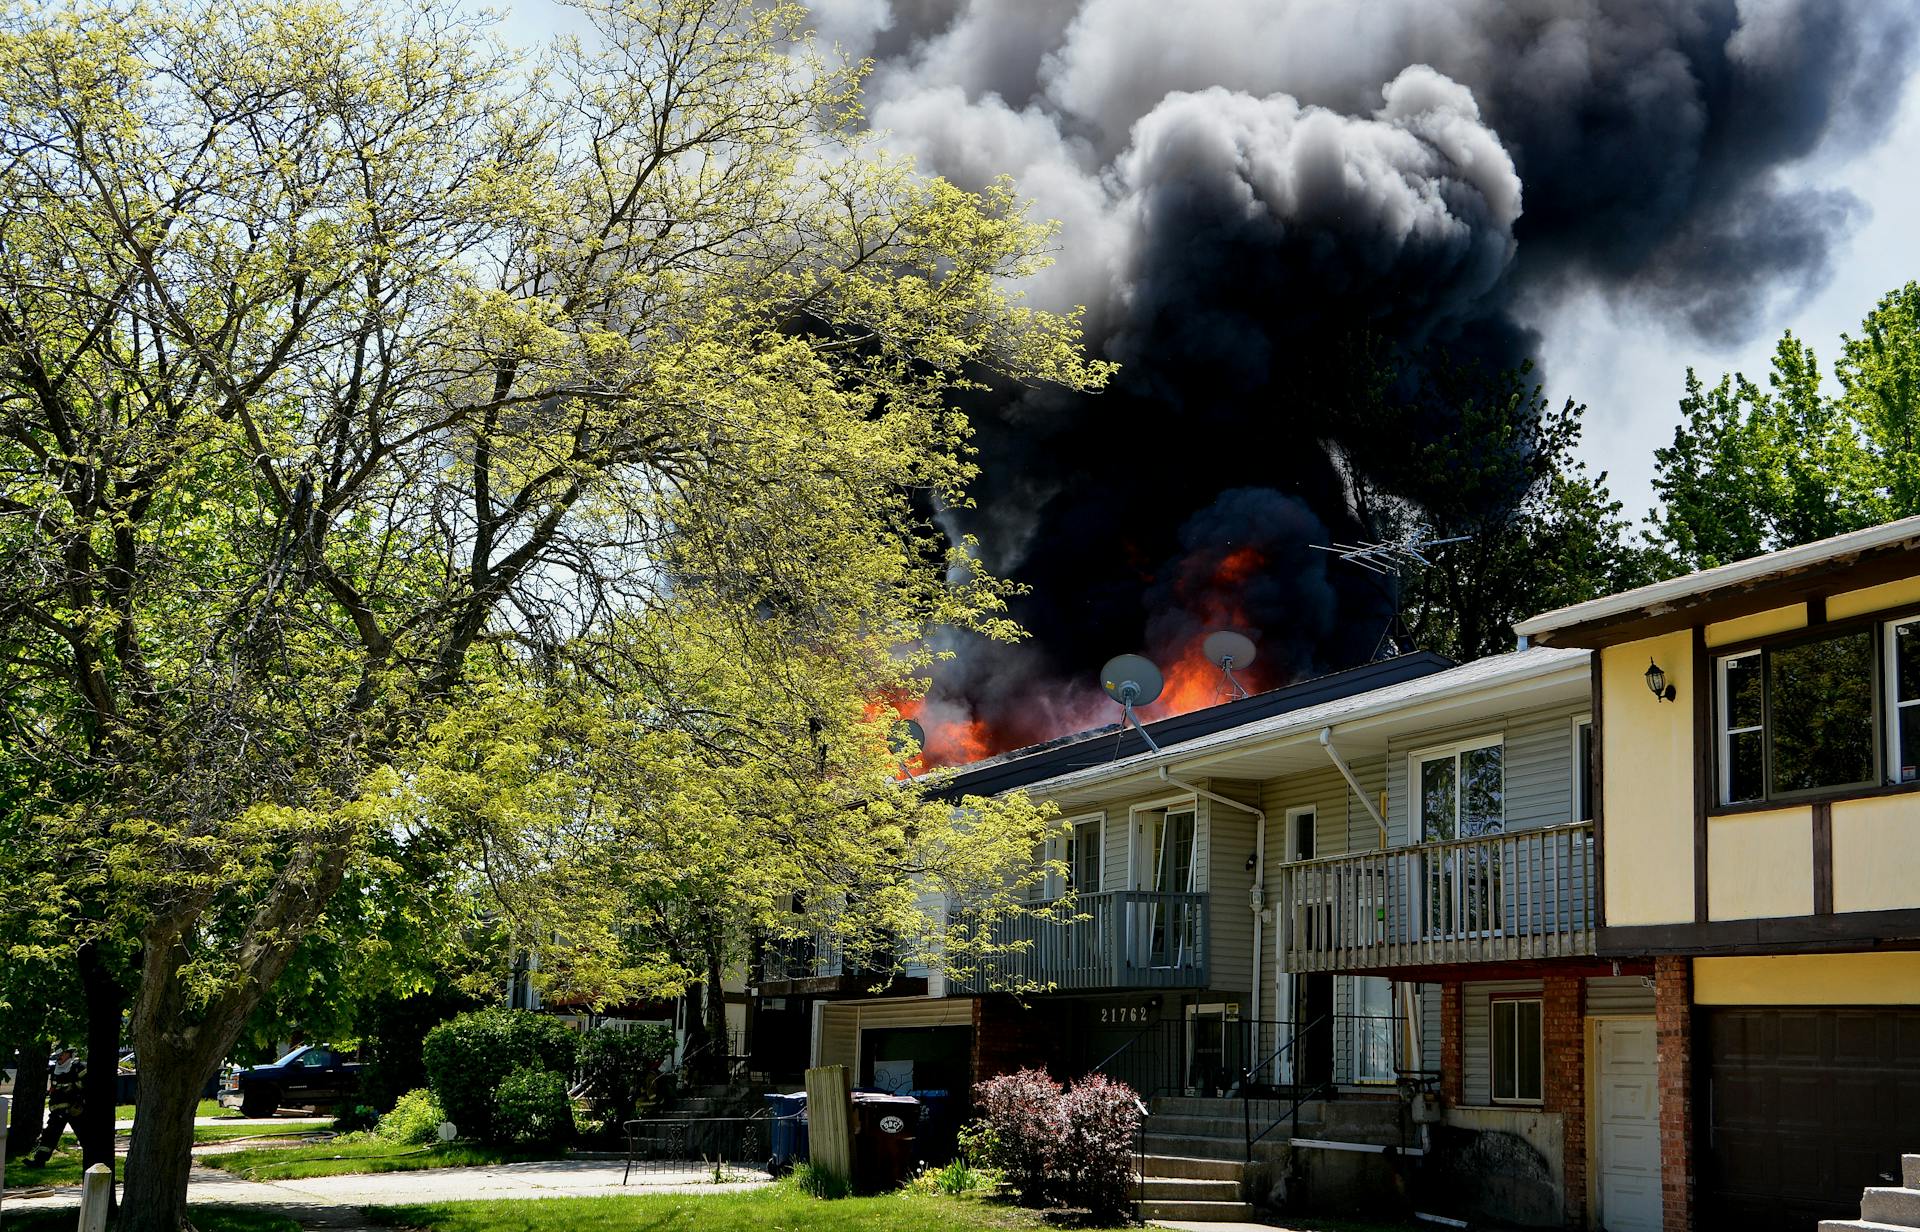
1757	737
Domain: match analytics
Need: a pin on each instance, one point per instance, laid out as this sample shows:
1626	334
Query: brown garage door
1801	1109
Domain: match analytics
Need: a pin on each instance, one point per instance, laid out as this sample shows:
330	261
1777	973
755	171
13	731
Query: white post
96	1194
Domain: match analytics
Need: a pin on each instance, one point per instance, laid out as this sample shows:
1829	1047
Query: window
1903	699
1083	857
1461	791
1516	1051
1583	769
1797	718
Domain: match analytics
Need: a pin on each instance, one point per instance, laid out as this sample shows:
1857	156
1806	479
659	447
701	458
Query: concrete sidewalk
319	1201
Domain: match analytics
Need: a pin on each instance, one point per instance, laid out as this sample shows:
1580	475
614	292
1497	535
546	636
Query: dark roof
1044	761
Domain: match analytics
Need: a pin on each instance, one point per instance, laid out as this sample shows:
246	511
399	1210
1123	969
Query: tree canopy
377	404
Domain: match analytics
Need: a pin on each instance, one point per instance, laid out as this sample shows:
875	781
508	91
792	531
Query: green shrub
619	1067
355	1118
415	1119
468	1058
531	1108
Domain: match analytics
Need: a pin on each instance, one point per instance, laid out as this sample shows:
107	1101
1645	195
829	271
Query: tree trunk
29	1098
106	1002
161	1155
716	1007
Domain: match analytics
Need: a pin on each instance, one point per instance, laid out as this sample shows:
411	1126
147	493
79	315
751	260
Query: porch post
1452	1081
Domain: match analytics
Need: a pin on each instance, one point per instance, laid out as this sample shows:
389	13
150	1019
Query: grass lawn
777	1208
206	1108
336	1158
205	1219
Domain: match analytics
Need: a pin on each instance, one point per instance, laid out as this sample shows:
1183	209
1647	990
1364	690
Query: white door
1627	1122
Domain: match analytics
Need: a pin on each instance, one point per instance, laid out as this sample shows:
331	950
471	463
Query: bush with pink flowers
1071	1146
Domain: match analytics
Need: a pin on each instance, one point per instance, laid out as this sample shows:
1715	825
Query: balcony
1494	898
1121	940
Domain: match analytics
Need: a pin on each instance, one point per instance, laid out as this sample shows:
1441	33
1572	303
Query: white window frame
1582	807
1723	733
1077	830
1416	824
1493	1049
1896	710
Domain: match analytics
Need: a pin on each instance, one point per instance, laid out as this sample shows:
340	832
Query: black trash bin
788	1138
884	1127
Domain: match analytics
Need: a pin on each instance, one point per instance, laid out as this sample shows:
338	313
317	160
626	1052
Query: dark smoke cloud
1247	186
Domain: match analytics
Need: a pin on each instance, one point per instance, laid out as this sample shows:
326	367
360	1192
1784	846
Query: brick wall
1673	1020
1452	1073
1563	1038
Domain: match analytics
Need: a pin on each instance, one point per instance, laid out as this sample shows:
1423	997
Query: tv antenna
1227	650
1388	558
1131	680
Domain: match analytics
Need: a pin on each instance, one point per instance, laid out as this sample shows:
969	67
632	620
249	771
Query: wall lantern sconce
1657	682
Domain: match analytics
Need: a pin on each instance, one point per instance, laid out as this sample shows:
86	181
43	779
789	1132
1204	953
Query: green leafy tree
351	369
1753	470
1483	458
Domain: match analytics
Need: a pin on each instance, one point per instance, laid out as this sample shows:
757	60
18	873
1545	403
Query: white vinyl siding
1619	994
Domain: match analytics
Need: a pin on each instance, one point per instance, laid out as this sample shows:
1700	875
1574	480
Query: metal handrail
1246	1088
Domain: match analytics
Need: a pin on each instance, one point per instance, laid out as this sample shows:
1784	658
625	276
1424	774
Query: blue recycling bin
939	1123
787	1140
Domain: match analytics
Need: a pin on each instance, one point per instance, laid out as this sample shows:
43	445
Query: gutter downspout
1259	898
1346	772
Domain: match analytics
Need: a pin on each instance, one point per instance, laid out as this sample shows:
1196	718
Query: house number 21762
1123	1013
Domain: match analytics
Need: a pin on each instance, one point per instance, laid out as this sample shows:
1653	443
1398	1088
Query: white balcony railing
1117	940
1524	895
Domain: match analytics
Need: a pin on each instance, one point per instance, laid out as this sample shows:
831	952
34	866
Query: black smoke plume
1254	191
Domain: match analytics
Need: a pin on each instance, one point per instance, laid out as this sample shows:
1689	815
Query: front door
1313	1034
1627	1123
1209	1050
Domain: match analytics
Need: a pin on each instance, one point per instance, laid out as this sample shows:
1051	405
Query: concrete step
1192	1167
1910	1171
1889	1205
1196	1146
1205	1212
1199	1126
1861	1225
1185	1189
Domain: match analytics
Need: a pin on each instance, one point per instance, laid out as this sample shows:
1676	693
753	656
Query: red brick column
1452	1077
1673	1020
1563	1039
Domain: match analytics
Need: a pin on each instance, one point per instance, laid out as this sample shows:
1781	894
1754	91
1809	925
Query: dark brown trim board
1846	930
1889	562
1598	804
1704	793
1816	611
1823	858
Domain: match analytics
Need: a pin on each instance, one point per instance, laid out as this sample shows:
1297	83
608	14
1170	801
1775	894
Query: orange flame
955	741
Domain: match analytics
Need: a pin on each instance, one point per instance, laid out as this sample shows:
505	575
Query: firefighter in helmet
64	1099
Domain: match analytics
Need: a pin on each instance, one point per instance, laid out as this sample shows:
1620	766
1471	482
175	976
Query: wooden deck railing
1522	895
1121	939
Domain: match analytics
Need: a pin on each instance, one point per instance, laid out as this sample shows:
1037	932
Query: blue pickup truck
312	1075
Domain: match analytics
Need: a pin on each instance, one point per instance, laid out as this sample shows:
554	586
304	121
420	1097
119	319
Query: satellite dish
907	733
1133	679
1227	650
